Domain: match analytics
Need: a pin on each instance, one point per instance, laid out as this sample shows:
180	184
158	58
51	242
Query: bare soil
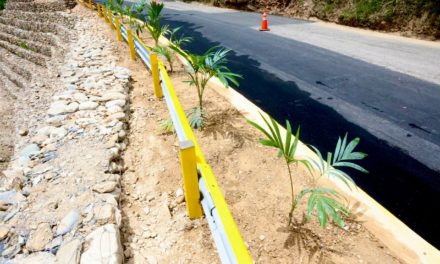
254	182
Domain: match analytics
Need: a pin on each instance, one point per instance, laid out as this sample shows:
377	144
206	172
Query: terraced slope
32	39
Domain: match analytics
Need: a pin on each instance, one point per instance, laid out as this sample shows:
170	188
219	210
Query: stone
146	210
58	133
104	246
114	109
105	187
151	259
69	252
39	238
45	130
31	149
55	121
117	116
37	258
104	214
72	107
80	97
57	108
113	96
39	139
11	197
23	132
69	222
262	237
4	206
54	244
179	192
120	103
89	105
4	231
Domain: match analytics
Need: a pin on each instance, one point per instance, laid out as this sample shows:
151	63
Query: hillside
409	17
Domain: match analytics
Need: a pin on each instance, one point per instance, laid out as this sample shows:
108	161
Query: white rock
55	121
72	107
113	96
57	108
120	103
104	214
179	192
45	130
117	116
89	105
69	252
104	246
105	187
114	109
38	258
58	133
80	97
69	222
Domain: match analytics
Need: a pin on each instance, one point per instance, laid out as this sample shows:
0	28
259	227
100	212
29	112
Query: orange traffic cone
264	26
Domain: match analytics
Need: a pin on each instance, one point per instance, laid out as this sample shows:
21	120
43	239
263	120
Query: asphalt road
331	80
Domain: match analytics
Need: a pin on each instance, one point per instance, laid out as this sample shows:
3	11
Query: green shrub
2	4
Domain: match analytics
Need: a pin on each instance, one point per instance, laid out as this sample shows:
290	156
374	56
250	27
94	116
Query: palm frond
327	203
342	157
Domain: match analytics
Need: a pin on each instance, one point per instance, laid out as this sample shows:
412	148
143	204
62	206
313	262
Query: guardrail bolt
190	179
155	73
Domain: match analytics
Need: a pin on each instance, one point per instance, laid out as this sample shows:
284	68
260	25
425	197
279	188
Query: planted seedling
154	21
328	203
201	68
167	53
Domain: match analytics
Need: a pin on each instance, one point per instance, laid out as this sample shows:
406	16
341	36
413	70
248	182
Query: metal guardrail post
190	179
155	73
118	29
98	8
131	44
105	13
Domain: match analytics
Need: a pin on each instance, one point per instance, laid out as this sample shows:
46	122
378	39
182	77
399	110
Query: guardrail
200	185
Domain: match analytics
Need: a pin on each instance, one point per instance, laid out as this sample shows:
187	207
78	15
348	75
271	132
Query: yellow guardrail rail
227	237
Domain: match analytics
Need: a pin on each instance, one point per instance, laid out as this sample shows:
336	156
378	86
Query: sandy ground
254	182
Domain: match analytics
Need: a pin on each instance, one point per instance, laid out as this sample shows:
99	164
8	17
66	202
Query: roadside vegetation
2	4
324	203
327	203
410	17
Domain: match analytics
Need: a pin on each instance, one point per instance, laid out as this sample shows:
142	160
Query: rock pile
59	197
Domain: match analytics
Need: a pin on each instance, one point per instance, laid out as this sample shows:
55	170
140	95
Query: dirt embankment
419	18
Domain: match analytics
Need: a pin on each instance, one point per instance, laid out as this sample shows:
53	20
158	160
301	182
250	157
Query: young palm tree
327	202
201	68
153	22
167	53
